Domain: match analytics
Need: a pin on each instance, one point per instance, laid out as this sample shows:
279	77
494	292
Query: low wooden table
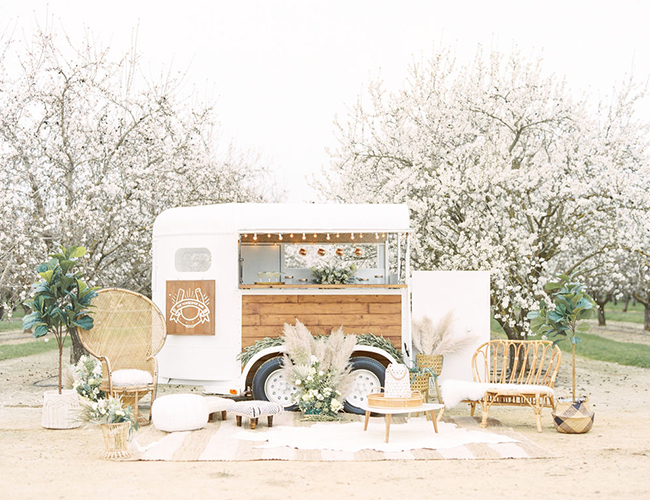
387	412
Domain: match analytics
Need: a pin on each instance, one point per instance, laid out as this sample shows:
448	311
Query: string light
268	236
255	236
337	235
328	236
376	236
303	236
315	236
291	235
351	236
280	237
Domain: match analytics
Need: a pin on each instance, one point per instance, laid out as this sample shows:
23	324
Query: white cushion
131	378
179	412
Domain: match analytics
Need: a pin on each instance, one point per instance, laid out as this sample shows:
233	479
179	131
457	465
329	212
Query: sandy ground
612	461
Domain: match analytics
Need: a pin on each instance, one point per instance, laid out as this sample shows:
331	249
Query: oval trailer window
193	260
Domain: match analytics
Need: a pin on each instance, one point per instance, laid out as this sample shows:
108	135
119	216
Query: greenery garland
367	339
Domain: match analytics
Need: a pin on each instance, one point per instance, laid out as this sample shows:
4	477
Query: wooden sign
190	307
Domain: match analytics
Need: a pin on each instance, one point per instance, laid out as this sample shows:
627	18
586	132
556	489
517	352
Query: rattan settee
511	373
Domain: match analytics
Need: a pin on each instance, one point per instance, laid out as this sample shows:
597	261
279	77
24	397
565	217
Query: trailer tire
369	374
269	384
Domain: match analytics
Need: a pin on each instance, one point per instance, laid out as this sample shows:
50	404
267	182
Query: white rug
292	439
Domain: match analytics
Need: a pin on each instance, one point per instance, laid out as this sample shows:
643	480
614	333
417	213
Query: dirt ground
611	461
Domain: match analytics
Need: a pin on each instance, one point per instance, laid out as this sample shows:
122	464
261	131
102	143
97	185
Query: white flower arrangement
108	411
87	378
330	275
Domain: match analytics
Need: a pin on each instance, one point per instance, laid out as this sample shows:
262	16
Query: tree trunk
601	300
77	349
646	317
626	302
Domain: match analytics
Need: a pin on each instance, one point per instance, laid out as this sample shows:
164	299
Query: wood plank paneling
265	315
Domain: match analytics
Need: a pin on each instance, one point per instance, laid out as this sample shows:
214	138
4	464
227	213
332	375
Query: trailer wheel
368	374
270	384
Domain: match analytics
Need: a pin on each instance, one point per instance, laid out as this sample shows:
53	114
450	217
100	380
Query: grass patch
11	351
596	347
634	313
602	349
15	323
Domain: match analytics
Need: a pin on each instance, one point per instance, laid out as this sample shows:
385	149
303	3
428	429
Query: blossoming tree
91	152
503	168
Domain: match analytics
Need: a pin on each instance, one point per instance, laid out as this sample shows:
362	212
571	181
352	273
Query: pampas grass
439	338
330	353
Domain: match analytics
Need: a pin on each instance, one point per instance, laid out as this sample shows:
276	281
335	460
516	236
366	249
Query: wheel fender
257	361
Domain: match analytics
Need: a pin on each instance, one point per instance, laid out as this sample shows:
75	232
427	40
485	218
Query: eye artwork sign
190	307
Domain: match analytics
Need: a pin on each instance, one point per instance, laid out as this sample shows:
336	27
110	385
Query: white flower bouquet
87	378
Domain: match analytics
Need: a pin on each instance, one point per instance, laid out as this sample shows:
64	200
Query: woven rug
459	438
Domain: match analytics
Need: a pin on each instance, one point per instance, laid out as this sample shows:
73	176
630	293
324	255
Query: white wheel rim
364	383
278	389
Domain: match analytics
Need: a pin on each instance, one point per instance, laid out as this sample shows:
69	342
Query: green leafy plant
561	319
60	299
330	275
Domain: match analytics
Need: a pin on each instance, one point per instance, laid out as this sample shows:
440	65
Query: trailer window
193	260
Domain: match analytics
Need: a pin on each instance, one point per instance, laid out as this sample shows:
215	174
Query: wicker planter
572	417
116	440
60	410
433	361
421	382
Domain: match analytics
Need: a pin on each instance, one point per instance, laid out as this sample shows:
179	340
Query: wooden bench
516	373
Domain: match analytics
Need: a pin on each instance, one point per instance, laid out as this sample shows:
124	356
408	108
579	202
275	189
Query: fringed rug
290	438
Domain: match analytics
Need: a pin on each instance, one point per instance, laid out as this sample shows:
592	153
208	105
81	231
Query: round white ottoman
179	412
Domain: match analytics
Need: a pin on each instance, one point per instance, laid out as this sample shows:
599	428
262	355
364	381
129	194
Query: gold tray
379	401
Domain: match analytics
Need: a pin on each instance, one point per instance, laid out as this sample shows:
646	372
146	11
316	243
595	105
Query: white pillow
131	378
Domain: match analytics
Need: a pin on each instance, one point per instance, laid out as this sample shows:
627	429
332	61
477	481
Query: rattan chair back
129	329
517	362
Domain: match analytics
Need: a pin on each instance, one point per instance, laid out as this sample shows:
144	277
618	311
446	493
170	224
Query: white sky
281	70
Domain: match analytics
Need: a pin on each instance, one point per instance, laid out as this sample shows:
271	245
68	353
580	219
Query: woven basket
573	417
116	440
433	361
378	400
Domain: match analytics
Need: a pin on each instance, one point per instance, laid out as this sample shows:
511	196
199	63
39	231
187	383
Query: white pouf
179	412
131	378
185	412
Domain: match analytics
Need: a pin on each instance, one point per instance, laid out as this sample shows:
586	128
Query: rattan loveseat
510	373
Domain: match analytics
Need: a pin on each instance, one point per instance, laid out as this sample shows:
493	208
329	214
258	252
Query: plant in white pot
60	303
561	321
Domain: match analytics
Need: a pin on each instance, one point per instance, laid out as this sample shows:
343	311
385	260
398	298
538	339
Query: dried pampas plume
439	338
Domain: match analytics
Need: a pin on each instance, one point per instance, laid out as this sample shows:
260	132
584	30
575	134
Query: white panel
467	293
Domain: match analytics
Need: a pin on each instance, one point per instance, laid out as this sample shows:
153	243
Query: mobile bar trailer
229	275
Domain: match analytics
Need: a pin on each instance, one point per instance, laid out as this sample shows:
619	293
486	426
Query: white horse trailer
229	275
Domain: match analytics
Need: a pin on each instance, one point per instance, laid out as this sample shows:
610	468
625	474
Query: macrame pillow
131	378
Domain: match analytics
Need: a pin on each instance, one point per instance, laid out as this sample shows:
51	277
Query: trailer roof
282	217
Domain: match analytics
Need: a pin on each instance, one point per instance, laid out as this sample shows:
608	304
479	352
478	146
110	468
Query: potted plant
562	321
331	275
118	424
431	342
59	304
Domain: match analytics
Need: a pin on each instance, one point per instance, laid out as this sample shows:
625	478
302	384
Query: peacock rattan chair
129	331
